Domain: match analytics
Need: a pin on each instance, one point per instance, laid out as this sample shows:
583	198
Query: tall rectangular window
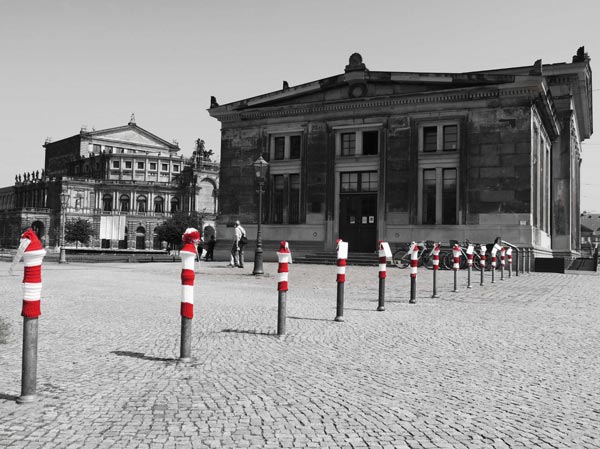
279	148
450	138
295	147
449	196
294	215
278	194
348	144
370	142
430	138
349	182
429	196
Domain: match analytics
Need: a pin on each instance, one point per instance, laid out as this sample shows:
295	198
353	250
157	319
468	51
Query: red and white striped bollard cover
494	252
482	250
283	256
414	259
341	264
509	256
502	257
470	249
188	254
382	261
456	255
32	274
436	256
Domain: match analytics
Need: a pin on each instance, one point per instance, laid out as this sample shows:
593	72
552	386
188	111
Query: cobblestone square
512	364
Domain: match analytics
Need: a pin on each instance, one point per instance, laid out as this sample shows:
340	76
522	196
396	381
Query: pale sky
68	63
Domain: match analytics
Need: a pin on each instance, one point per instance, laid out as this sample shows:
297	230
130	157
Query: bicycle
401	257
448	260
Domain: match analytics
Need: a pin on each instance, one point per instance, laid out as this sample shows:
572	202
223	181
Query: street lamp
260	170
64	202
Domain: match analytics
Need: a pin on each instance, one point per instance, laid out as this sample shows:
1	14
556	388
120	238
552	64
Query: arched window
107	201
174	205
159	204
124	203
142	203
140	238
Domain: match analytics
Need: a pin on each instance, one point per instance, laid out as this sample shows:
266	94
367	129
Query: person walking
210	247
237	247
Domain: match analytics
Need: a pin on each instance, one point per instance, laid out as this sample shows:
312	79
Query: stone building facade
126	181
401	156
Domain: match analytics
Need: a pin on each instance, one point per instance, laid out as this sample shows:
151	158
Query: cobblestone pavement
508	365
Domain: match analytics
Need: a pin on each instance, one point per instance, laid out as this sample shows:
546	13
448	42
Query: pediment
133	136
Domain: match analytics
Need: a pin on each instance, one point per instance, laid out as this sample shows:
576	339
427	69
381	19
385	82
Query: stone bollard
342	255
436	267
482	250
32	252
284	257
187	254
414	261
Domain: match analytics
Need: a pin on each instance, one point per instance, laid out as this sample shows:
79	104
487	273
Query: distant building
125	180
401	156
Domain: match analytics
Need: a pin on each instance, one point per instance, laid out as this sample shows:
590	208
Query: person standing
210	248
237	248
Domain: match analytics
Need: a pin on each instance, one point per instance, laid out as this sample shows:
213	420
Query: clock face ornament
357	90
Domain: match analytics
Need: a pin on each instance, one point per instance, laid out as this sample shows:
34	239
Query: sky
72	63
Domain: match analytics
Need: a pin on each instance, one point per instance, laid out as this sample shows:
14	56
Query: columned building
400	156
126	181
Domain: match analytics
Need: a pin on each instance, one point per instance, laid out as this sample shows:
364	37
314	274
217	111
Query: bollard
384	253
414	261
528	263
502	262
456	265
470	249
436	267
494	251
342	255
32	252
284	257
482	250
523	260
187	254
509	261
517	261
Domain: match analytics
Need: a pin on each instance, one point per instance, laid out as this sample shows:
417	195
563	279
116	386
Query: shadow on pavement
310	319
240	331
141	355
8	397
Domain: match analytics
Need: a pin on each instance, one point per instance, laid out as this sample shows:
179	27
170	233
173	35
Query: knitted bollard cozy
32	276
188	254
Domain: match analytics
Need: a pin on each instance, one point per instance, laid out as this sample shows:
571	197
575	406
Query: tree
78	231
172	228
200	153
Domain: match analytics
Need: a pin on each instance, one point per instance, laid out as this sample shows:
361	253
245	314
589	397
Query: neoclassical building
367	155
126	181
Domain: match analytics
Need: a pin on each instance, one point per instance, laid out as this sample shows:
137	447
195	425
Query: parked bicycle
448	260
401	257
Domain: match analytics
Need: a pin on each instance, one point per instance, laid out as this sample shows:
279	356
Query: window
355	182
140	165
370	142
116	164
107	201
439	137
174	204
348	144
141	203
128	164
159	204
285	147
295	147
285	198
175	168
152	165
124	202
108	148
97	149
165	167
439	198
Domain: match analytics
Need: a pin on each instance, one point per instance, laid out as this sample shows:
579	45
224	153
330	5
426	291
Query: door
358	221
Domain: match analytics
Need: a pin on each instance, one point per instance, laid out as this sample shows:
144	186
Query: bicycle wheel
428	261
448	260
401	258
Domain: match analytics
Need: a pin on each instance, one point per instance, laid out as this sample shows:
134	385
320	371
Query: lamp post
260	170
64	202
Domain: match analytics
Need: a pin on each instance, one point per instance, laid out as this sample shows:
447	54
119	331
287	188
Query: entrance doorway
358	221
